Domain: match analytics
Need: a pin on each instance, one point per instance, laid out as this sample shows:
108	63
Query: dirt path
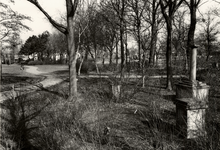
49	80
33	70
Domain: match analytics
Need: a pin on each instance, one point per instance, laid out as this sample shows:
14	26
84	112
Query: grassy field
52	68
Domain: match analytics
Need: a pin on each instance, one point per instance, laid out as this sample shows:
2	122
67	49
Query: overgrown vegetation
140	114
140	119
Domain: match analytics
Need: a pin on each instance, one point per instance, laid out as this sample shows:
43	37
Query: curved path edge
49	80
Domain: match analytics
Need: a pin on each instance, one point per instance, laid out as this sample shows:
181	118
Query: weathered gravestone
191	103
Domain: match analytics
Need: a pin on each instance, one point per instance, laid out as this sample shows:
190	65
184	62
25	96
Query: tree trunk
54	58
153	34
86	54
191	33
208	54
94	59
168	11
103	60
169	56
80	65
9	59
139	46
116	54
61	58
143	70
126	49
110	57
153	45
0	66
72	60
122	48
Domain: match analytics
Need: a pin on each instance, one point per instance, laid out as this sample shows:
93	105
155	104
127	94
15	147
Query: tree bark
116	54
110	57
71	9
72	60
143	70
86	54
191	33
153	45
80	65
190	41
122	47
169	56
153	35
139	44
0	65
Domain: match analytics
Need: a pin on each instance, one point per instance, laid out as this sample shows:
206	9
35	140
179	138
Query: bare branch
216	1
75	4
58	26
197	4
5	35
187	3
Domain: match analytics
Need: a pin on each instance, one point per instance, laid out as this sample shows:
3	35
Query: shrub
48	61
87	66
25	62
20	60
35	62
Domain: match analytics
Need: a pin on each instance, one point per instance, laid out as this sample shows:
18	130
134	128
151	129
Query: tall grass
138	120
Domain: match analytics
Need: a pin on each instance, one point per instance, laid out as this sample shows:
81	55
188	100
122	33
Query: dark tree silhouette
169	7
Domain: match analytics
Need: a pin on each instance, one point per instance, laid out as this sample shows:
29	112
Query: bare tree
136	16
110	28
168	8
71	7
208	35
154	18
93	33
109	38
119	7
180	38
11	23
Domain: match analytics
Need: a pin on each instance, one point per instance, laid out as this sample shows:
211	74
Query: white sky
39	22
55	8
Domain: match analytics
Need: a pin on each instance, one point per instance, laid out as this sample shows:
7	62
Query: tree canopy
11	22
36	44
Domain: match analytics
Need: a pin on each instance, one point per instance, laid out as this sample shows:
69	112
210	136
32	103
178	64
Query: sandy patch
33	70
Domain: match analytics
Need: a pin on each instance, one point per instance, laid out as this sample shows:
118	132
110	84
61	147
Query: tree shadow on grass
14	79
158	123
111	135
60	94
16	122
61	73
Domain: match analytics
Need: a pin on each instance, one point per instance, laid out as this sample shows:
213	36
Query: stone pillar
116	91
193	64
191	103
190	118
